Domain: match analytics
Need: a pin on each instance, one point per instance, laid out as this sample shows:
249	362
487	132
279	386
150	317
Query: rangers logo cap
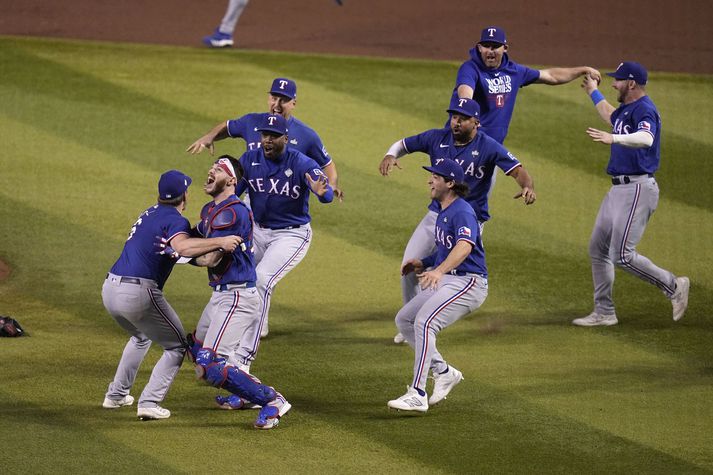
284	87
493	34
448	169
464	106
273	123
631	70
172	184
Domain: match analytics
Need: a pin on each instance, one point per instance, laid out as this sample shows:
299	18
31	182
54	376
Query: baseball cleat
218	39
270	415
679	300
152	413
233	402
265	331
399	338
595	320
411	401
127	400
444	383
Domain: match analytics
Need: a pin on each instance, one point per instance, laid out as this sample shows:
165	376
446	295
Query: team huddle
248	246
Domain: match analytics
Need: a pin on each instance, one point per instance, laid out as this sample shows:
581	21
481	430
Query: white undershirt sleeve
397	150
639	139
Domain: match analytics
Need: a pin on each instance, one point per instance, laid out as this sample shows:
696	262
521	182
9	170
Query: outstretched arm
331	171
605	110
556	76
219	132
390	160
193	247
527	185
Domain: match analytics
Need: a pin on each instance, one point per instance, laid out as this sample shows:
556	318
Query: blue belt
234	286
625	180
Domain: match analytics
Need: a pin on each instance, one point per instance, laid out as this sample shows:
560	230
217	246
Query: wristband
597	96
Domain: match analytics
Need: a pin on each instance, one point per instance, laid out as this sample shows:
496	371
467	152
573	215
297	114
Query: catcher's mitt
10	327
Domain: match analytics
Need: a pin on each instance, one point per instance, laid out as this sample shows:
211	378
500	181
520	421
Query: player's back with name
139	257
278	190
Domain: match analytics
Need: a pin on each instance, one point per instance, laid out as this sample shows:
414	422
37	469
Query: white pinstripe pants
429	312
620	225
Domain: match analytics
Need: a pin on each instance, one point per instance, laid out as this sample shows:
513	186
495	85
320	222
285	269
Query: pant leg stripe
165	317
434	314
226	321
625	238
268	291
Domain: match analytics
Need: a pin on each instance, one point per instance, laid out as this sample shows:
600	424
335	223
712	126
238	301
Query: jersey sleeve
242	185
466	227
467	75
419	143
646	121
175	226
238	127
527	75
317	151
311	168
504	159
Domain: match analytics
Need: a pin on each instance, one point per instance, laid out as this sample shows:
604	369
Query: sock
421	392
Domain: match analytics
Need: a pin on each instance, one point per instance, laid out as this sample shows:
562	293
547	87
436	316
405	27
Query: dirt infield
663	35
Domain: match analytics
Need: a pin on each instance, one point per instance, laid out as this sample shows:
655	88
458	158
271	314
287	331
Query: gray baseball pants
230	321
232	15
620	225
141	310
429	312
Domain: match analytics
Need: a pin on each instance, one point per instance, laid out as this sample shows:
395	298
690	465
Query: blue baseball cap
448	169
273	123
631	70
493	34
284	87
173	184
464	106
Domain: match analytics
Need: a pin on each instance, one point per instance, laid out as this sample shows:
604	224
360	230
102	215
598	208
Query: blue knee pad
241	383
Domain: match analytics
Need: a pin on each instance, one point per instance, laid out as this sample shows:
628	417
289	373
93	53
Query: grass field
86	129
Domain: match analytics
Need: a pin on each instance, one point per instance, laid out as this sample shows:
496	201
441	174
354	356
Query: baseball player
456	285
222	37
493	80
279	180
133	295
281	100
230	314
626	209
477	154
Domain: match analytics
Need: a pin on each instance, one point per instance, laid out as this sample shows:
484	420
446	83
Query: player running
133	294
281	100
635	155
493	80
230	314
456	285
477	154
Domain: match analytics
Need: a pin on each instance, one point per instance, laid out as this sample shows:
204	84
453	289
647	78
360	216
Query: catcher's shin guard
247	387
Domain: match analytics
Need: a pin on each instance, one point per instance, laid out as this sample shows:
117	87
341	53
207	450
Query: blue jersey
278	189
640	115
478	159
458	223
227	218
495	90
301	137
140	258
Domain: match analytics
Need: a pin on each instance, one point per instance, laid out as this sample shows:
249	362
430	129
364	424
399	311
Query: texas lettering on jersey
275	186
